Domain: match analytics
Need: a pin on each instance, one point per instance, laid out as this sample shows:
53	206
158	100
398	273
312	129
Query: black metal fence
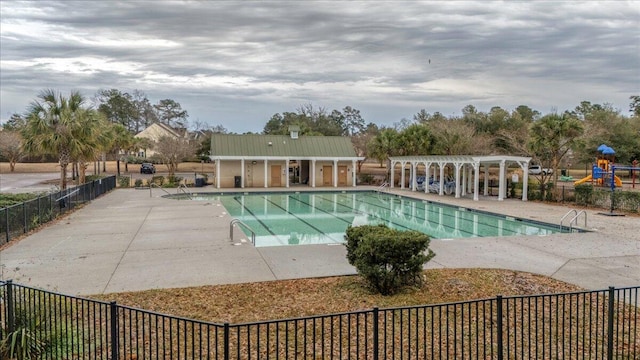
579	325
21	218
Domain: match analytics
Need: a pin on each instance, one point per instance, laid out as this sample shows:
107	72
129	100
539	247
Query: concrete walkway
129	240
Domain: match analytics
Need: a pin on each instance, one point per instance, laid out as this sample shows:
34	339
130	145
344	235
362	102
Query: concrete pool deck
128	240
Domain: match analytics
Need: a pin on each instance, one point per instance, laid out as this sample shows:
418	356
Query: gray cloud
237	63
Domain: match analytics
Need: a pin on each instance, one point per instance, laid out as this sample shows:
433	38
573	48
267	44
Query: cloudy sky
236	63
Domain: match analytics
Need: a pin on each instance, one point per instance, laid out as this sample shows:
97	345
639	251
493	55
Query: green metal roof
281	146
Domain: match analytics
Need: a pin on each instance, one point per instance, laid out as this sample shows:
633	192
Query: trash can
563	172
200	182
237	181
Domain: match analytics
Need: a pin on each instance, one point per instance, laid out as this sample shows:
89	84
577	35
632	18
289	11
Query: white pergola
467	172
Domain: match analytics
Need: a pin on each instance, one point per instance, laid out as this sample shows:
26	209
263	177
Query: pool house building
427	173
273	161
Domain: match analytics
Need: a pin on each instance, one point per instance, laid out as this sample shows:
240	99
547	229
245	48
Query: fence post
114	331
24	216
375	333
499	324
6	222
226	341
610	324
11	316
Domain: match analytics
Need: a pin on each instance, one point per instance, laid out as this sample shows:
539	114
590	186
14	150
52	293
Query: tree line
77	131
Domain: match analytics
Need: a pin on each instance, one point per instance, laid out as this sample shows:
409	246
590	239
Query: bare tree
172	151
11	147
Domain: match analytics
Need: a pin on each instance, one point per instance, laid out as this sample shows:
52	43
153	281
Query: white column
476	181
218	173
469	179
457	166
266	177
393	164
353	173
242	173
441	179
286	171
525	182
426	177
402	174
313	173
464	180
486	180
414	175
335	173
501	181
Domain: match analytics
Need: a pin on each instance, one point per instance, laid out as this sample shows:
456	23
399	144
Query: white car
537	170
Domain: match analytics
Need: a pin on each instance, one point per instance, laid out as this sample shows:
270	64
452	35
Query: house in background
154	133
283	160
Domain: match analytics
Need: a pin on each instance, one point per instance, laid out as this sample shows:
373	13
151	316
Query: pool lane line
485	224
236	198
295	216
352	210
421	218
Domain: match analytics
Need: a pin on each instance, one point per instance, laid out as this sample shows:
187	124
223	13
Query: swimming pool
322	217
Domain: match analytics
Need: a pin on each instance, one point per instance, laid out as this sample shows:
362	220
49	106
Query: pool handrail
575	219
151	185
383	186
238	221
183	188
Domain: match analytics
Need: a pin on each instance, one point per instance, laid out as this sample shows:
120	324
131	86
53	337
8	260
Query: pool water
322	217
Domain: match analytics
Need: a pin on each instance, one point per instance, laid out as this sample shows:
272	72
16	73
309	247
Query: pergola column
525	182
464	179
501	185
441	179
458	166
476	181
486	180
335	173
402	164
313	173
393	164
426	177
414	176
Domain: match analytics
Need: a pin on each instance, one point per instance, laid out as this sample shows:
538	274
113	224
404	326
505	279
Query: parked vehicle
147	168
537	170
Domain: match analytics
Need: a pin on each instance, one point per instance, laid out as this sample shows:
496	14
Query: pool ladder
385	185
237	221
574	219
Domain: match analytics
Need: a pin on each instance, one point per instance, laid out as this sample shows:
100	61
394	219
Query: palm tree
55	127
95	139
121	139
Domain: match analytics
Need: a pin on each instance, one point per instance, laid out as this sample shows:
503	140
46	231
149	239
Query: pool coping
132	240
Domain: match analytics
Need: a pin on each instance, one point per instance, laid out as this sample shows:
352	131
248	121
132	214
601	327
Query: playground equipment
602	172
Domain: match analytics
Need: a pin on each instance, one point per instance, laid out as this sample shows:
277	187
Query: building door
327	175
342	176
276	177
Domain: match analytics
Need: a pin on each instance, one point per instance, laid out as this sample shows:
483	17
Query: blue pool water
322	217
